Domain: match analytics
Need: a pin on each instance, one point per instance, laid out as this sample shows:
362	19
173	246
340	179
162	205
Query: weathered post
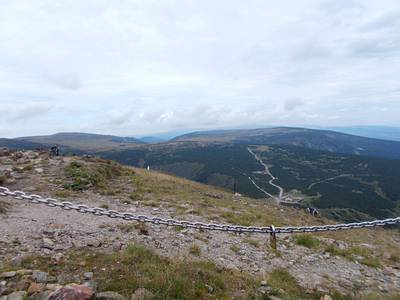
272	238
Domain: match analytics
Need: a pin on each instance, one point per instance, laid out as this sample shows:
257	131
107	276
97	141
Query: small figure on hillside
312	211
148	168
54	151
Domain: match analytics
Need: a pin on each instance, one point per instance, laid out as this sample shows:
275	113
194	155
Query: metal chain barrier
97	211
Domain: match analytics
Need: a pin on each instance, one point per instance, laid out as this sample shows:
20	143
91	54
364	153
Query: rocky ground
28	229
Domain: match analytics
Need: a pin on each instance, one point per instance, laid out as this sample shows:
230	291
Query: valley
348	178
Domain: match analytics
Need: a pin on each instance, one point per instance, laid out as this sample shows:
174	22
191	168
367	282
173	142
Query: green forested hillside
335	182
346	187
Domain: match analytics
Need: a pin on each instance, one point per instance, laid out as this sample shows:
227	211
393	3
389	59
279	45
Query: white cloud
134	67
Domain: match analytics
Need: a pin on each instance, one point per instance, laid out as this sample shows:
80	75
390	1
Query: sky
141	66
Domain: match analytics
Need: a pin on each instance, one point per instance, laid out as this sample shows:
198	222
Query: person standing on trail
54	151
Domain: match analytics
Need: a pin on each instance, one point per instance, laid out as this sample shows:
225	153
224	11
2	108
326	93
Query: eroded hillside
107	254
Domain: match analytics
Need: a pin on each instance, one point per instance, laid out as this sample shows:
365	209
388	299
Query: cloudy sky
142	66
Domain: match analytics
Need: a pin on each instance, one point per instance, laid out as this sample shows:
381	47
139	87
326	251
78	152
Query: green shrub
253	243
307	241
353	253
83	176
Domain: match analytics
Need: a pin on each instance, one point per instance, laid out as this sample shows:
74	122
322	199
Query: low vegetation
285	284
137	267
83	176
362	255
307	240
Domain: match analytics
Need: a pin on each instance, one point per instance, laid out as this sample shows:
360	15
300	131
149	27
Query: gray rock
16	261
39	276
53	286
88	275
15	296
40	296
142	294
8	274
47	243
110	296
91	284
65	278
51	279
5	291
24	272
72	292
93	243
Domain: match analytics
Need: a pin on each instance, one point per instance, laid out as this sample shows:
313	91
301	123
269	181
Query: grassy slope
177	279
157	189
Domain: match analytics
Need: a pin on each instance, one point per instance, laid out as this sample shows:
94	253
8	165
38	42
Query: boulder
23	284
15	296
8	275
53	286
91	284
35	288
18	155
109	296
40	296
72	292
39	276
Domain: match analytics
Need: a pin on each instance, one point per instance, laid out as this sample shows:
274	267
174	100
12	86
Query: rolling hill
88	142
323	140
16	144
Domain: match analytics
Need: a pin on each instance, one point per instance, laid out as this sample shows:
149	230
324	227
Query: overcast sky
138	67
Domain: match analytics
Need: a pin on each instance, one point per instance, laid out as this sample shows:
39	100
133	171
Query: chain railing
97	211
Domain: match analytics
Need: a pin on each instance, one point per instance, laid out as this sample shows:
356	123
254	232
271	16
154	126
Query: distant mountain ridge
152	139
324	140
84	141
16	144
376	132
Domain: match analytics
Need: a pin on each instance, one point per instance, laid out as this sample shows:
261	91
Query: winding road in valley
271	181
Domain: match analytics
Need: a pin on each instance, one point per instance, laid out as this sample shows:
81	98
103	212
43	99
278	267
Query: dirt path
328	179
27	229
270	182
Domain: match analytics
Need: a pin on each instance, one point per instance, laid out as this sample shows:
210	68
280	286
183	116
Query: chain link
97	211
